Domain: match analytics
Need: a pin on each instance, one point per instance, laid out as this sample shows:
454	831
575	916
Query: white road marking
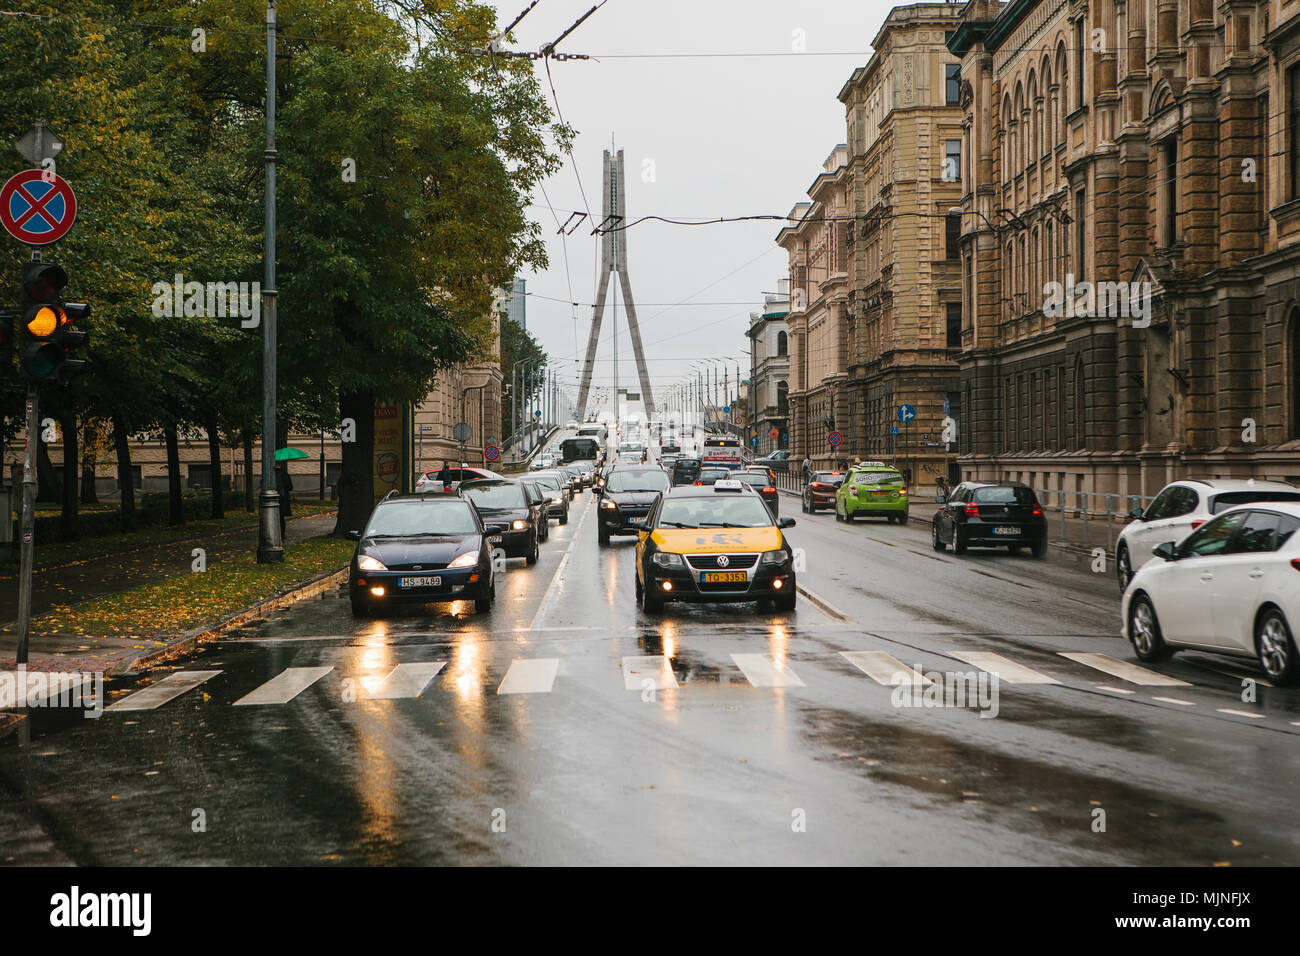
764	670
406	680
1007	670
551	592
1175	700
532	675
654	668
169	688
1241	713
284	686
1115	690
1123	670
884	668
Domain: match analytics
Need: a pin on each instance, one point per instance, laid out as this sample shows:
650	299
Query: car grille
735	562
737	586
422	569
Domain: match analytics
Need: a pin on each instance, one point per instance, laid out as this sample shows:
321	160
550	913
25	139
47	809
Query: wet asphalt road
748	737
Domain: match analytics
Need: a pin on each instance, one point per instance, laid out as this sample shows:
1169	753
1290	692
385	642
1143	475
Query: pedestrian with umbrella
284	484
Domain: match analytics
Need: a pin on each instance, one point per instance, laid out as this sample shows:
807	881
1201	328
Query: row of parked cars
439	543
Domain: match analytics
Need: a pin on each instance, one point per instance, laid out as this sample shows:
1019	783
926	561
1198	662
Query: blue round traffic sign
754	441
906	413
491	452
37	207
835	438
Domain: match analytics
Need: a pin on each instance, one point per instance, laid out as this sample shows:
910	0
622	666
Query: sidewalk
112	574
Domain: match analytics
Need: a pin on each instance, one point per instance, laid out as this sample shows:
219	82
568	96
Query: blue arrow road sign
754	441
906	413
893	429
946	409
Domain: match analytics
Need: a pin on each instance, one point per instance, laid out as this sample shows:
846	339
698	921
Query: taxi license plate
880	494
494	539
425	582
1006	531
723	577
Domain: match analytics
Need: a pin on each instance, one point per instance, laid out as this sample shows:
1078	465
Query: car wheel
360	608
1144	630
1037	548
637	580
839	515
1277	652
564	518
958	543
533	552
803	503
1123	568
484	604
602	534
651	602
935	541
786	602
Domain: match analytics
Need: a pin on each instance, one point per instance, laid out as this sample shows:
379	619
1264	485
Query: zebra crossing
539	675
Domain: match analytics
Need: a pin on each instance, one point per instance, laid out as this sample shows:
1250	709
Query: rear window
758	481
1003	495
828	477
1229	499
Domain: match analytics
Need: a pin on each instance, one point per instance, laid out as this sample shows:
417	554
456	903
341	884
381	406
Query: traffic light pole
27	524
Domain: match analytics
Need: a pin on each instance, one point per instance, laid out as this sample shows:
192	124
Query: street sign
754	441
893	429
538	413
773	434
906	413
39	144
726	409
491	452
461	432
37	207
835	438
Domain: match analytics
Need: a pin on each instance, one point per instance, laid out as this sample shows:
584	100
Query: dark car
685	471
820	490
777	461
418	549
505	502
536	496
708	476
628	493
552	485
992	514
761	482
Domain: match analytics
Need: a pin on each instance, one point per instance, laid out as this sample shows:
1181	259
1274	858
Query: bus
721	451
579	449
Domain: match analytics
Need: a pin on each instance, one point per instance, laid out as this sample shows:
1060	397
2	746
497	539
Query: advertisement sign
386	465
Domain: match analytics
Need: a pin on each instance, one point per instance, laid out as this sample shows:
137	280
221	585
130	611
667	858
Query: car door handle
1207	576
1257	573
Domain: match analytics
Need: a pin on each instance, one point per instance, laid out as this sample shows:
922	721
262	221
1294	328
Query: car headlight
609	505
519	524
367	563
666	559
466	560
780	556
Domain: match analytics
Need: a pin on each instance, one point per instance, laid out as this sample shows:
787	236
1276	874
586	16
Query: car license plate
494	539
425	582
1006	531
880	494
724	577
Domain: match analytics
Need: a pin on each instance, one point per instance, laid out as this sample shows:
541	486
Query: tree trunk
175	510
48	487
356	482
68	519
214	460
90	439
248	471
122	443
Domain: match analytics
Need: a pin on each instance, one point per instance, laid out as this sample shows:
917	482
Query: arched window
782	344
1020	134
1062	84
1035	269
1293	370
783	398
1035	116
1080	425
1007	126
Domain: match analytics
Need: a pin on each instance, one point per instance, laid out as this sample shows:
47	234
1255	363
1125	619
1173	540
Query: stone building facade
1130	241
769	377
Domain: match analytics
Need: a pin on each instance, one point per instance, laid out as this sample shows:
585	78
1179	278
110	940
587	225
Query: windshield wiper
723	524
676	524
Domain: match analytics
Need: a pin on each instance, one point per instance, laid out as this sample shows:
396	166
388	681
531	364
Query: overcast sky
727	136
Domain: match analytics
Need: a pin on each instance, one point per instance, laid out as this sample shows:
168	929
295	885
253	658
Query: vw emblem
723	561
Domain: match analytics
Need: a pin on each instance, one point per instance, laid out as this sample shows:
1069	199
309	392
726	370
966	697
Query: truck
579	449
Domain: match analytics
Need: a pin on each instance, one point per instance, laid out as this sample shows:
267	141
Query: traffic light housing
47	335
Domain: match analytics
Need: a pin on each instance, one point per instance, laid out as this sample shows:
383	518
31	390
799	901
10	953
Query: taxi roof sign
728	484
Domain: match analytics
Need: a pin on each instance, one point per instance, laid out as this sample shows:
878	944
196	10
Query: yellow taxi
714	543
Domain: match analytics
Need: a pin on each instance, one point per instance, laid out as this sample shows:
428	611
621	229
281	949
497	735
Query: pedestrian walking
806	469
283	487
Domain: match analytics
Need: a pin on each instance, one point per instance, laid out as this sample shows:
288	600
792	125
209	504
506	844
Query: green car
872	488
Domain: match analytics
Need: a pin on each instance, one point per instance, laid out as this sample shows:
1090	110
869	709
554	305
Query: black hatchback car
629	492
761	482
520	514
418	549
990	514
685	471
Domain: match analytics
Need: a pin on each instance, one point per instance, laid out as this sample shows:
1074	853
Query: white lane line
169	688
532	675
551	591
406	680
653	668
1115	690
764	670
1175	700
1241	713
1007	670
884	668
284	686
1123	670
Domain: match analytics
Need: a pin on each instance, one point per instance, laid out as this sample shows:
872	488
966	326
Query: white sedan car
1182	507
1230	587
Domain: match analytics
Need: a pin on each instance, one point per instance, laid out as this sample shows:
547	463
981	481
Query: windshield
717	511
1226	500
827	477
637	481
402	518
759	481
1003	495
495	496
548	484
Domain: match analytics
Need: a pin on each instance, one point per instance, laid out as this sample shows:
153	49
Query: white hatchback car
1230	587
1181	508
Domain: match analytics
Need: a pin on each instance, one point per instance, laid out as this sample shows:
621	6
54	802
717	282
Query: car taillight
972	510
1197	523
1038	511
769	491
699	482
902	491
1295	563
817	484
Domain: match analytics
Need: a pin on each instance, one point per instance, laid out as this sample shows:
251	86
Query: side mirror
786	523
494	529
354	535
1137	513
1168	551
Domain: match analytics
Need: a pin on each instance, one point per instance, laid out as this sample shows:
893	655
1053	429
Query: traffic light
46	333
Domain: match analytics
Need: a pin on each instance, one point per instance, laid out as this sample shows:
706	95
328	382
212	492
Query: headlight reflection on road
779	641
467	674
376	661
